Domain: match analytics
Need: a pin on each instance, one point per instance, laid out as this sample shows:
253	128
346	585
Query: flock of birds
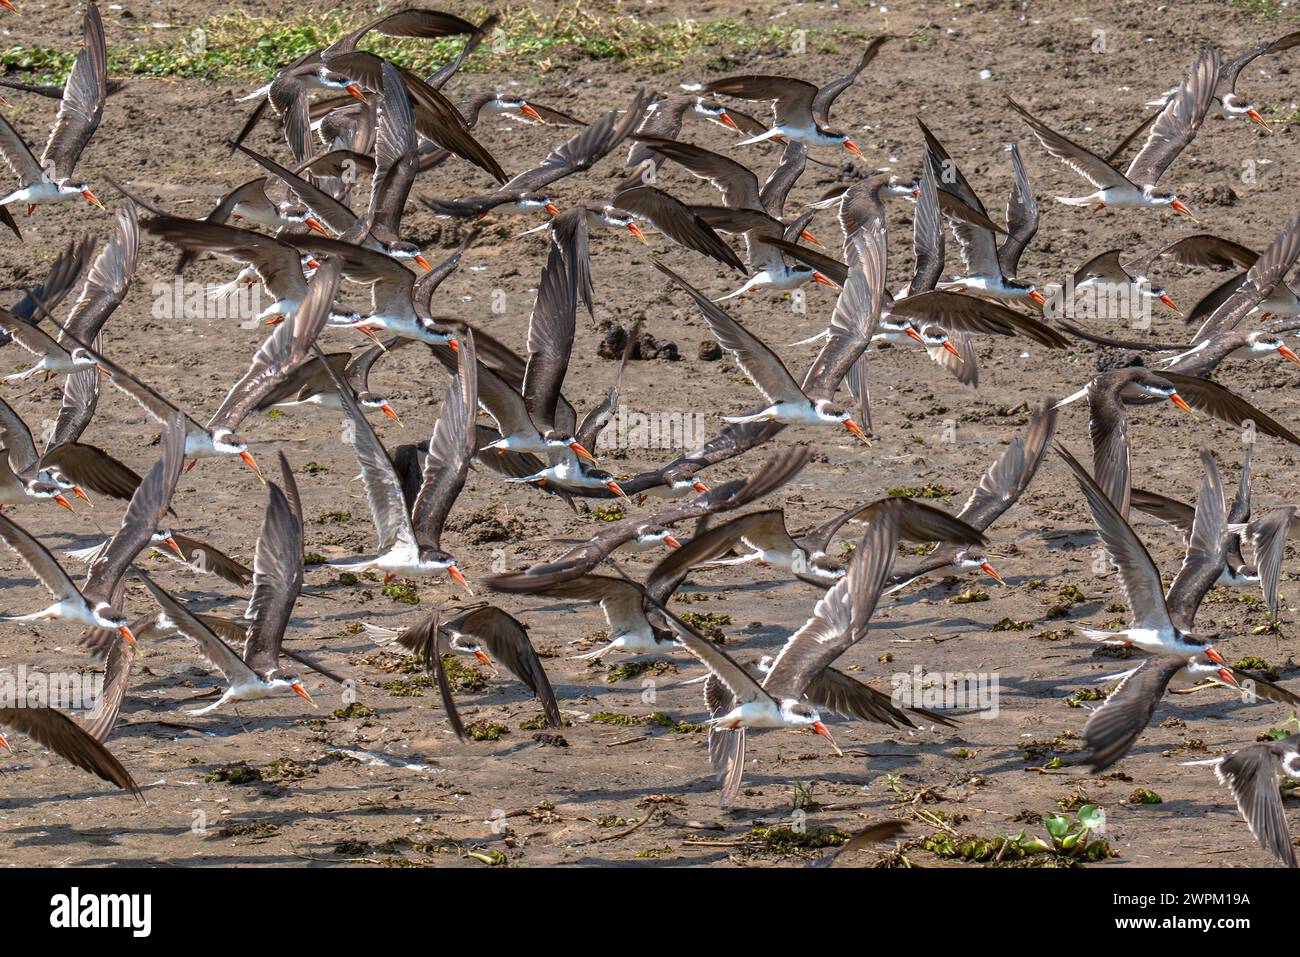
348	115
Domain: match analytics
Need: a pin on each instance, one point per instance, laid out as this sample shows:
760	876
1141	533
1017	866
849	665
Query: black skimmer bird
67	464
642	534
40	300
1109	272
310	384
93	605
1108	393
801	110
16	489
1158	623
490	635
53	358
1226	100
107	280
392	290
665	118
49	179
251	203
1206	355
990	268
286	349
410	537
788	404
55	730
1174	128
194	554
737	700
1263	288
274	262
513	106
1000	487
277	580
1237	572
524	193
805	555
674	219
1251	777
1268	537
749	209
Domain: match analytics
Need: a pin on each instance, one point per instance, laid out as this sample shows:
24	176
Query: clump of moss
355	710
607	513
486	730
282	769
351	848
925	491
333	518
462	677
401	591
314	468
1087	694
348	579
239	773
412	687
261	829
708	623
635	669
313	558
970	596
1010	624
787	840
1258	665
613	717
1145	796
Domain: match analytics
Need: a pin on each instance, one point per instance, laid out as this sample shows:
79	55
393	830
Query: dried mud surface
574	804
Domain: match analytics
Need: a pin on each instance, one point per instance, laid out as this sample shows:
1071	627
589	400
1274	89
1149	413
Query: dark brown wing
1114	727
82	105
56	731
451	449
277	574
1179	121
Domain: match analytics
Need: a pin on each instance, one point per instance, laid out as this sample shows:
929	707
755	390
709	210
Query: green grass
239	46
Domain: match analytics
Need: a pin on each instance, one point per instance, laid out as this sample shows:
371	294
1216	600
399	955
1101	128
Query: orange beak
252	464
699	487
78	491
129	638
1214	656
1178	400
825	280
4	742
1228	677
1286	353
992	572
913	334
857	430
810	238
356	91
949	347
388	411
852	147
482	657
1164	298
1182	210
311	264
614	487
1037	296
636	231
579	450
301	692
423	263
672	542
171	543
92	199
312	223
458	578
1254	115
825	732
63	501
8	6
552	209
724	116
453	345
531	113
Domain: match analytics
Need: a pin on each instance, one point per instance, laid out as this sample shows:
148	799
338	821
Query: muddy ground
395	786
